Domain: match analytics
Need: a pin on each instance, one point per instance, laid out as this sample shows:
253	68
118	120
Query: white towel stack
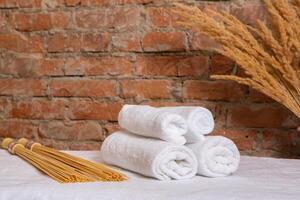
152	122
152	143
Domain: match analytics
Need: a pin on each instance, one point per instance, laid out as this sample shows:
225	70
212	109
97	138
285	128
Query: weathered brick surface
91	110
23	87
84	130
164	41
146	88
32	67
68	66
213	90
38	109
98	66
82	88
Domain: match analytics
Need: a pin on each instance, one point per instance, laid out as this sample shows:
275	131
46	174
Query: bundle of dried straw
60	166
269	55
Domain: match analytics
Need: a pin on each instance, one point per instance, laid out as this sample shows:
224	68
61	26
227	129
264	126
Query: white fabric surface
217	156
151	122
148	156
256	178
200	121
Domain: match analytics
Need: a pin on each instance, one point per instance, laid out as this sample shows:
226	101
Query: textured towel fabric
148	156
217	156
200	121
152	122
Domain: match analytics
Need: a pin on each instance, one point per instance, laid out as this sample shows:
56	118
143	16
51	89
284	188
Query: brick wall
67	66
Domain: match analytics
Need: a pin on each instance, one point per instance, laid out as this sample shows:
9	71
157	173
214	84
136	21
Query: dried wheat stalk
269	56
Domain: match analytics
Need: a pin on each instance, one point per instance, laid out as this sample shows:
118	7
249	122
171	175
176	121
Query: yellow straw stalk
60	166
270	56
96	171
58	171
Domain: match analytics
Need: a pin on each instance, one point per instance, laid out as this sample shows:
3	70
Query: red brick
84	130
86	145
96	2
108	18
193	66
213	90
60	19
5	105
162	41
159	16
55	144
32	22
249	12
146	88
38	109
111	128
91	19
64	42
157	65
286	142
256	116
31	67
203	42
245	140
258	97
172	65
89	110
92	66
2	21
12	42
24	87
94	42
8	3
16	129
52	4
102	3
35	44
221	65
29	3
215	6
135	1
219	111
72	2
82	88
127	42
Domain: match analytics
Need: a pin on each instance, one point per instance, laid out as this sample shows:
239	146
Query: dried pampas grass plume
270	56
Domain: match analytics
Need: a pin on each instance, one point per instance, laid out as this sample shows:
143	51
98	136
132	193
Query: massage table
257	178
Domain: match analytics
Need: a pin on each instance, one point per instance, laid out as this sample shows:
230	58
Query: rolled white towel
217	156
200	121
150	157
152	122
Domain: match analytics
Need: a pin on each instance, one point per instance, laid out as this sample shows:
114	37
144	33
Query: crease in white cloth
217	156
199	120
151	122
148	156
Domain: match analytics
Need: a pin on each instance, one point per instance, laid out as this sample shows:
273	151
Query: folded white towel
200	121
152	122
217	156
150	157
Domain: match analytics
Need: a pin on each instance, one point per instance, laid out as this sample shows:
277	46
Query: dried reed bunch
269	54
95	171
58	171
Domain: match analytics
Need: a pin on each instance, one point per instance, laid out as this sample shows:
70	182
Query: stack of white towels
170	143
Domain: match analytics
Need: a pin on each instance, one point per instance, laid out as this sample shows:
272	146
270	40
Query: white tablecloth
257	178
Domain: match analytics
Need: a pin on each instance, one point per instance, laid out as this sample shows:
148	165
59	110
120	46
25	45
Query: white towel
152	122
217	156
148	156
200	121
